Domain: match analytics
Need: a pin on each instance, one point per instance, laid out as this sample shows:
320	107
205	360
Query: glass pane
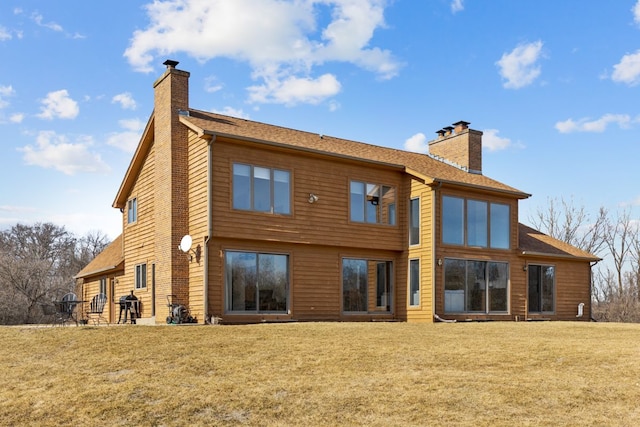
272	282
388	205
476	295
262	189
357	201
548	279
414	221
498	286
241	281
454	285
499	226
383	285
534	288
373	203
241	187
452	220
476	223
281	192
354	285
414	282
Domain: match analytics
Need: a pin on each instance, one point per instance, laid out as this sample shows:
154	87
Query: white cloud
212	85
230	111
4	34
628	69
293	90
5	92
636	12
125	100
53	151
58	104
598	125
16	118
492	142
417	143
457	6
280	41
128	139
37	18
520	66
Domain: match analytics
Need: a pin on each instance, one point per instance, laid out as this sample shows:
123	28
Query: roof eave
516	193
567	256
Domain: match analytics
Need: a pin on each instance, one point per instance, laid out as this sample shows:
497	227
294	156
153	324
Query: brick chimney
170	204
460	145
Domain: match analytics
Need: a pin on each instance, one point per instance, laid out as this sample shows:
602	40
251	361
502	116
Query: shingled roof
534	242
232	127
111	258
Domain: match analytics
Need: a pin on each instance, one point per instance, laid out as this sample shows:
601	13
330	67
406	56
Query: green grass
323	374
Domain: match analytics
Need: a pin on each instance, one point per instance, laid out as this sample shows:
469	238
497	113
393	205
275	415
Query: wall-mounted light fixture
525	267
313	198
439	261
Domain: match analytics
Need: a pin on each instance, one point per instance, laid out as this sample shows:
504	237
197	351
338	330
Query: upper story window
132	210
475	223
261	189
373	203
414	221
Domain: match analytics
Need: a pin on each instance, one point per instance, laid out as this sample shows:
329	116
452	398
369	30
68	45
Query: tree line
37	265
614	237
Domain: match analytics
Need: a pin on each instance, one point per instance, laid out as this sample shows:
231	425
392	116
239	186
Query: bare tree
37	264
619	236
572	224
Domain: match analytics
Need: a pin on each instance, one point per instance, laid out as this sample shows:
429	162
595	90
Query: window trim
376	201
487	296
132	210
465	224
272	189
409	284
411	218
140	276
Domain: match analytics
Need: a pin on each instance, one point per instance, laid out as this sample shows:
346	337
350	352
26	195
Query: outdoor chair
65	309
96	308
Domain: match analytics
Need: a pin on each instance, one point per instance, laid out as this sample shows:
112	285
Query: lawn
323	374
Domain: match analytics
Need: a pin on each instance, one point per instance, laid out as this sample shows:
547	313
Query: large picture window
261	189
541	296
475	223
357	277
372	203
475	286
256	282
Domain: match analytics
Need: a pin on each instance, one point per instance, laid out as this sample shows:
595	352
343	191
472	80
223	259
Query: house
253	222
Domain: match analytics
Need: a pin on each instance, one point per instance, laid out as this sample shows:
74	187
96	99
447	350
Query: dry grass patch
314	374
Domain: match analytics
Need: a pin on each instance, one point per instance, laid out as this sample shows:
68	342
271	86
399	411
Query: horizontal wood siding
424	253
198	175
139	238
325	222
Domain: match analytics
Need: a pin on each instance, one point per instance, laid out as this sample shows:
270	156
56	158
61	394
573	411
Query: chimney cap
462	123
448	128
170	63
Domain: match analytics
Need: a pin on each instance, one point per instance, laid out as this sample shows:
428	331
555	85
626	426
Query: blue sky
554	86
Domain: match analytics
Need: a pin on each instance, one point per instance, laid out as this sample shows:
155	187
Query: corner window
475	286
475	223
541	288
414	221
372	203
261	189
141	276
132	210
256	282
414	282
356	277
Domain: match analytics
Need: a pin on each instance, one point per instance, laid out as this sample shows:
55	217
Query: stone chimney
460	145
170	204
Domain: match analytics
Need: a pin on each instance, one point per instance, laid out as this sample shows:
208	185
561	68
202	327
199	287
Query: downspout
591	290
205	295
